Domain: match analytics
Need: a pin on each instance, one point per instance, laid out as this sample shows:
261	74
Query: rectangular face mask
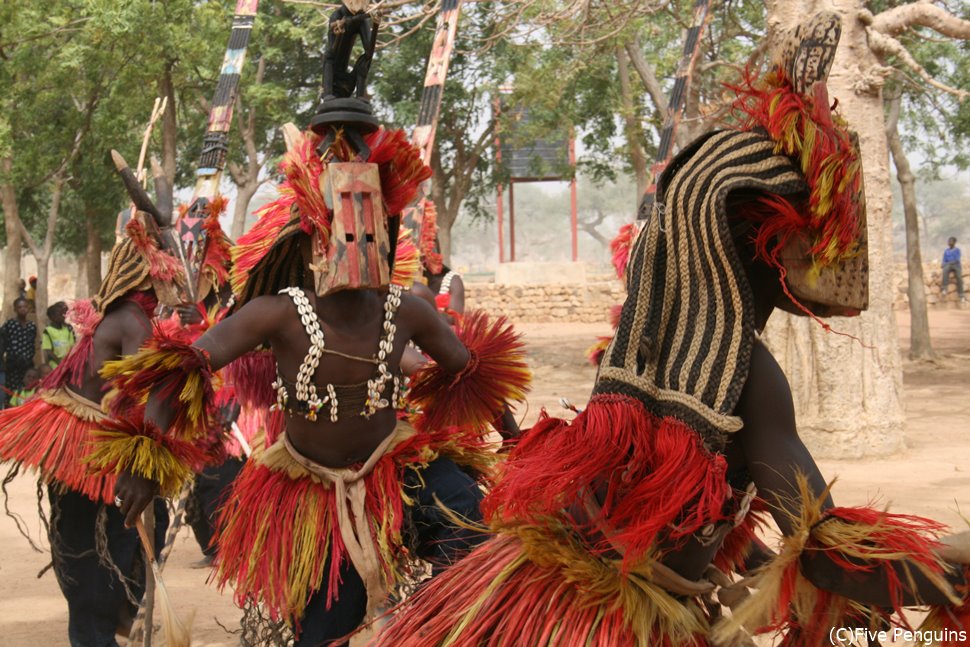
838	290
356	256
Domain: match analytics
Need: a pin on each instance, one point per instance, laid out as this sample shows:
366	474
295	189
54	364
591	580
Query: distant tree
57	72
851	391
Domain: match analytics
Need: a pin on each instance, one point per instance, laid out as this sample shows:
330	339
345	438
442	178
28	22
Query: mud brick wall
587	303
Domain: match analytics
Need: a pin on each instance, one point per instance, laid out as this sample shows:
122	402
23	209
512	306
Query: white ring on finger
118	501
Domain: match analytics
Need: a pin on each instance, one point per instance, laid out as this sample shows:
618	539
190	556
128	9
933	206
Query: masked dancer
96	559
622	526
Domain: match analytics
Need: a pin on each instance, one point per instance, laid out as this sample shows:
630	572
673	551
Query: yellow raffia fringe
307	569
760	608
653	614
312	538
141	455
167	363
307	566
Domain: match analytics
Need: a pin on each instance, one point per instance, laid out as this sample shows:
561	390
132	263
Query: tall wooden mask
357	254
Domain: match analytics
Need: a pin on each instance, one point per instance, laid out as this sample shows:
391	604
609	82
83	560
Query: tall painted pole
434	84
211	164
215	144
676	104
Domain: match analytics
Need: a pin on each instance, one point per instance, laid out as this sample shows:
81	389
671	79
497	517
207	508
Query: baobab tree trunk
848	393
919	335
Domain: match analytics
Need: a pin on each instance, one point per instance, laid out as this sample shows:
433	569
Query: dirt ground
931	477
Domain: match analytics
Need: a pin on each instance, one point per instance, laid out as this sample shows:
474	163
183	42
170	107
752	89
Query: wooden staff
173	530
175	631
676	104
158	109
148	602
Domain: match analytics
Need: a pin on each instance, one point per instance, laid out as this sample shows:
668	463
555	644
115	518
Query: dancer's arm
254	323
773	452
775	456
231	338
433	334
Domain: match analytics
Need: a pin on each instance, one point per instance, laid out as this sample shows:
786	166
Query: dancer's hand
188	314
956	548
132	495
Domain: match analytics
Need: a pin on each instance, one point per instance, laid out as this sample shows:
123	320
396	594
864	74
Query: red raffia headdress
407	260
274	253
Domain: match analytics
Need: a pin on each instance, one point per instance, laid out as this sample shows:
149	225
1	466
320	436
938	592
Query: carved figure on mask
348	23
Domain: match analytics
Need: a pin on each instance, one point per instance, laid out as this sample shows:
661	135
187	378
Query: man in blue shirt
951	263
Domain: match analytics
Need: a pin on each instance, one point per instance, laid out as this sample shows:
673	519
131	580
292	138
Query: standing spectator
18	335
449	291
31	289
58	337
21	288
951	263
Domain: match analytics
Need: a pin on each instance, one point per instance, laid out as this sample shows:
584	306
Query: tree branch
34	249
236	173
920	14
886	46
892	116
68	27
649	77
589	226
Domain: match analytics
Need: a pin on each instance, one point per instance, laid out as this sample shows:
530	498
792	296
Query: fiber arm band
496	373
179	380
862	542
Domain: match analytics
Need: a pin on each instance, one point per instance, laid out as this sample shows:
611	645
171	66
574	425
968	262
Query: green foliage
464	135
934	124
79	78
60	57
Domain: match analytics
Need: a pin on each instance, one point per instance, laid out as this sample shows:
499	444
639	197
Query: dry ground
931	477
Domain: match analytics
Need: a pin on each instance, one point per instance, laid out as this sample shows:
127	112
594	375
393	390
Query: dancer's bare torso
351	321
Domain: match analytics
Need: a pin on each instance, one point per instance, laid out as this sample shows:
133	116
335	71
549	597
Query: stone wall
933	278
587	302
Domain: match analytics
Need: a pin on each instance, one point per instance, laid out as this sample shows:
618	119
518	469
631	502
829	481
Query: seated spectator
31	380
952	265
